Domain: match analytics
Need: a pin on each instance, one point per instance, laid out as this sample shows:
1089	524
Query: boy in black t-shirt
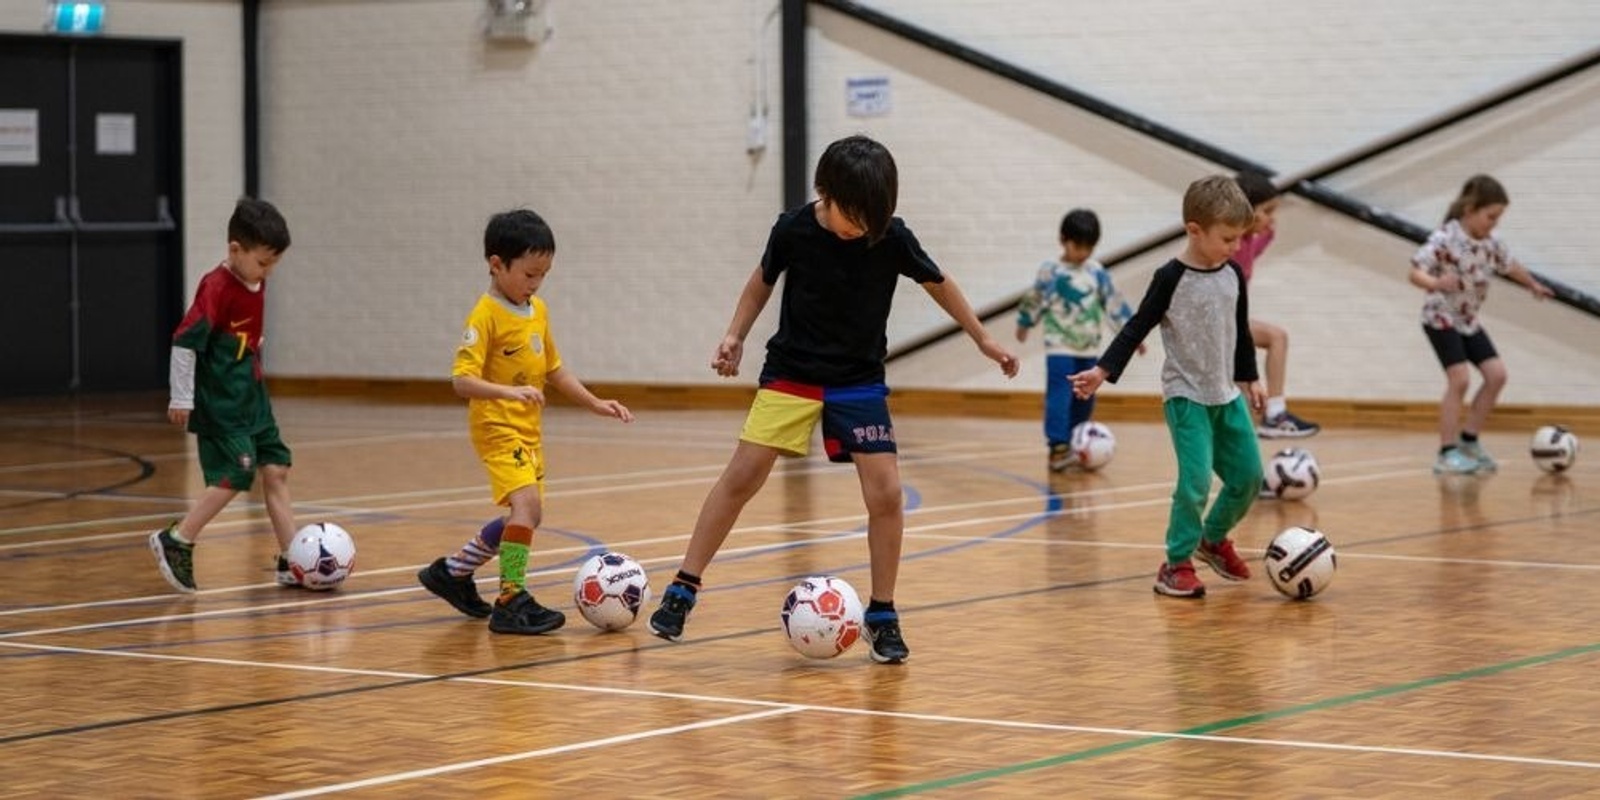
843	255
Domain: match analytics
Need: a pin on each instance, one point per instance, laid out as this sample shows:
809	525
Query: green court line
1236	722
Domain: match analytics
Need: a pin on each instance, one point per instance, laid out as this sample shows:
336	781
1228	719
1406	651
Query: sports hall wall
392	128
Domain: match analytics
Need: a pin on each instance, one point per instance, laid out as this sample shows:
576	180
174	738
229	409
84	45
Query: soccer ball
1554	448
822	617
1300	562
1293	474
1093	444
609	590
321	556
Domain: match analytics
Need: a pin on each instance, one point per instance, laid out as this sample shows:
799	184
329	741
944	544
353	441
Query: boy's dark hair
257	223
859	176
1080	226
1257	187
511	234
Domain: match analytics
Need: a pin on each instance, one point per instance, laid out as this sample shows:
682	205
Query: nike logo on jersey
240	323
511	351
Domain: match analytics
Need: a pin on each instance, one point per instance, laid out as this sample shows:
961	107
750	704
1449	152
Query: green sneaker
175	559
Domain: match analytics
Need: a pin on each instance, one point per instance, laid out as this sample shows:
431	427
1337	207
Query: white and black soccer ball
609	590
1300	562
1293	474
1093	444
321	556
1554	448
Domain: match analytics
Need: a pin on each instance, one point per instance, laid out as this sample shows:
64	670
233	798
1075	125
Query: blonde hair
1477	192
1217	199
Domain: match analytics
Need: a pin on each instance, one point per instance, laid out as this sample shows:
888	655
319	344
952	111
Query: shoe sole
426	579
1275	434
1221	571
1163	589
530	631
664	635
166	569
883	659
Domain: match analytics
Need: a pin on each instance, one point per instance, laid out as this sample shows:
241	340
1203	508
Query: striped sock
477	552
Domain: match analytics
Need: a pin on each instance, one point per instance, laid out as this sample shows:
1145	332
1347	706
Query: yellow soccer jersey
510	346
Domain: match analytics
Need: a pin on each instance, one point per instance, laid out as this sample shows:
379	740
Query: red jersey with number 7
223	327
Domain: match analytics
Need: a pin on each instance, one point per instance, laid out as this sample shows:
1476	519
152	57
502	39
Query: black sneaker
668	620
285	576
174	558
460	592
524	615
883	633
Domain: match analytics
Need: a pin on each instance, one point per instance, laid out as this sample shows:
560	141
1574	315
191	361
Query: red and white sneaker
1179	580
1224	559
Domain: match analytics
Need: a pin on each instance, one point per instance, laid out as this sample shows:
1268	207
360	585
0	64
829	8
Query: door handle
61	224
163	220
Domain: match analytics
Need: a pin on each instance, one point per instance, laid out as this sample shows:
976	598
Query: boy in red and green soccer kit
506	359
219	394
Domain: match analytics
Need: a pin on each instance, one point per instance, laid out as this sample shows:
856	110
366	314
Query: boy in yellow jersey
506	359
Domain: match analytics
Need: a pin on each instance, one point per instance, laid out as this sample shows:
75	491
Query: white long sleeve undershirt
180	378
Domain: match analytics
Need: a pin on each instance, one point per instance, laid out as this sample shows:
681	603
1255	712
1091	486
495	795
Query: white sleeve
180	378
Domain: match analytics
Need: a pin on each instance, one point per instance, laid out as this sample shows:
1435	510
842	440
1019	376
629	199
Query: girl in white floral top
1454	267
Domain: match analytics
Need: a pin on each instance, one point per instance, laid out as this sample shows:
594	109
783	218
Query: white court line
527	754
768	708
911	531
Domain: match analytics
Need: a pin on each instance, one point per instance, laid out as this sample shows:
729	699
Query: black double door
91	247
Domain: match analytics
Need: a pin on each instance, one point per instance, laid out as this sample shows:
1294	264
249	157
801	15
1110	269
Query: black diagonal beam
1306	187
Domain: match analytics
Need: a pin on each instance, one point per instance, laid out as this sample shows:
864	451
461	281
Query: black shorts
1452	348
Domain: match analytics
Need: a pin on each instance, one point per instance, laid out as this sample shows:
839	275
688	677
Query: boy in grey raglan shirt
1199	301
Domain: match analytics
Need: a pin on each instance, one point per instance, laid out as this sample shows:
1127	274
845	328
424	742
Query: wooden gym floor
1454	655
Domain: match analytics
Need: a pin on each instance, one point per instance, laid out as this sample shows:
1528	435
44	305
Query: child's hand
1541	291
1087	382
1008	363
612	408
178	416
1448	282
729	353
1022	334
1255	394
1140	349
526	394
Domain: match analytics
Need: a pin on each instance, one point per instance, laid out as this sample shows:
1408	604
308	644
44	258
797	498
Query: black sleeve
1157	298
1244	347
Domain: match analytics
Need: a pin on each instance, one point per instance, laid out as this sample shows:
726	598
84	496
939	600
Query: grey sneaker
1286	426
1475	451
1455	462
174	558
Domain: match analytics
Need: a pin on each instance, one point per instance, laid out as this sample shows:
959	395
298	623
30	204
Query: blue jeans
1063	410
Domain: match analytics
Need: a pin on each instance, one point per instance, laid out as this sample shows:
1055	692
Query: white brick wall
392	129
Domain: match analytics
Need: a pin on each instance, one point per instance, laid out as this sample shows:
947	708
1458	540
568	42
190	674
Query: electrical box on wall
518	21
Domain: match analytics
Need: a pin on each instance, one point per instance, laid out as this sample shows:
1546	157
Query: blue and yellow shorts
855	419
